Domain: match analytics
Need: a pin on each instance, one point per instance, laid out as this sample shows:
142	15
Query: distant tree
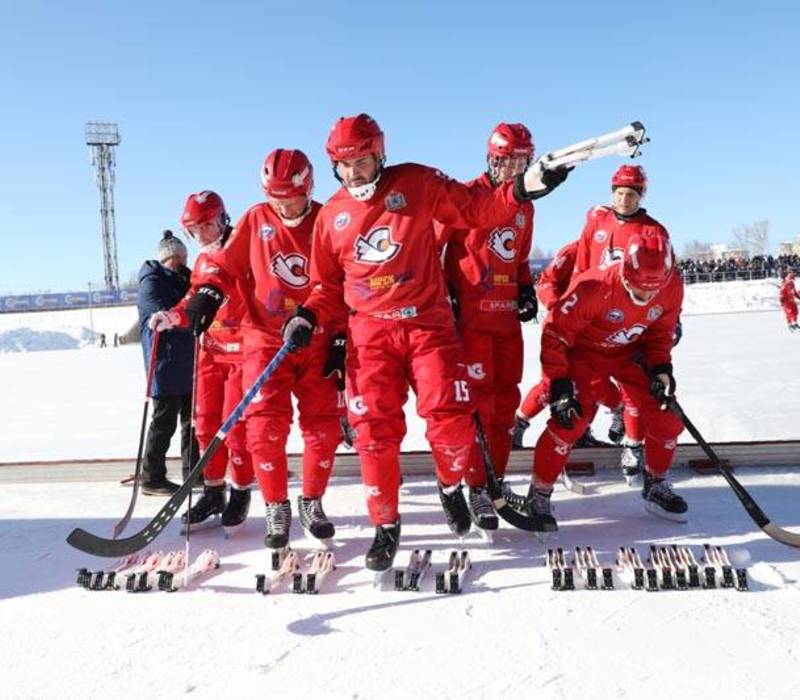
754	238
692	249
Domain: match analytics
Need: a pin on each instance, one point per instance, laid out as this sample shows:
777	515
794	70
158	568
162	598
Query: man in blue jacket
162	283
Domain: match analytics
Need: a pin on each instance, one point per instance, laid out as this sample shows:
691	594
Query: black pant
159	434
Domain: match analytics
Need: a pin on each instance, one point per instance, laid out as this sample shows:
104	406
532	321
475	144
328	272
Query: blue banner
67	300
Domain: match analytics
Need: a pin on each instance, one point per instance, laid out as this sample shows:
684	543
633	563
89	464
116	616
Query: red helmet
632	176
789	276
649	260
510	140
355	137
201	208
287	173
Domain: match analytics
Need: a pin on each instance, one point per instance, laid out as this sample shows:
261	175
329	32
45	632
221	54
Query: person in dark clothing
162	283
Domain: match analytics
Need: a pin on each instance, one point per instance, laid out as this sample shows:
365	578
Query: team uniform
788	296
485	268
381	257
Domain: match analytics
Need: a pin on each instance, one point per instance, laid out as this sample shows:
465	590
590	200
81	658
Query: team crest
600	235
357	405
395	201
627	335
520	219
341	221
609	257
501	243
654	313
291	269
266	232
615	316
475	371
376	247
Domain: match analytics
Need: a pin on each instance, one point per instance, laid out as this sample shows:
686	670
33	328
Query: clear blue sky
202	91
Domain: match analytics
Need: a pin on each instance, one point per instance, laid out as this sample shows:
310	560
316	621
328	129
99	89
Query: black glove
553	178
564	407
660	391
348	432
527	304
299	328
678	334
202	307
335	362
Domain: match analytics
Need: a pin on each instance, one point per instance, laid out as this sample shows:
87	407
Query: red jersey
596	316
485	266
788	293
381	255
605	235
554	280
277	259
223	339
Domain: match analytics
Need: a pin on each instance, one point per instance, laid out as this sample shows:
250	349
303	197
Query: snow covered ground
508	633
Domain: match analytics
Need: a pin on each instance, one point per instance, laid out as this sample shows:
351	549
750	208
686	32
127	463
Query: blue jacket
160	289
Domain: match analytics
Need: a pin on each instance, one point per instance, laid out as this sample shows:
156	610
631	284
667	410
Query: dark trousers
163	423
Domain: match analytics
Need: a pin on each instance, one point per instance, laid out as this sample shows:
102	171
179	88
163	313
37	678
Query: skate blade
231	530
383	580
486	535
209	524
659	512
633	480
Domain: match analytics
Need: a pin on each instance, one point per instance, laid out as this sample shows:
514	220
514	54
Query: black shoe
661	500
455	508
384	547
616	430
313	518
279	520
236	511
481	509
159	487
540	510
517	501
521	424
589	440
211	503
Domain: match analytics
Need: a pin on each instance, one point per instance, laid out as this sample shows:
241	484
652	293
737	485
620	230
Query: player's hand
564	407
202	307
299	328
164	320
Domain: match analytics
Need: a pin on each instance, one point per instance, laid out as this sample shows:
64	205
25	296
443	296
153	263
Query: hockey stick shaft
611	137
100	546
137	472
192	438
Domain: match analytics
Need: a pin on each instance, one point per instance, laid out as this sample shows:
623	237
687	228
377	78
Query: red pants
661	428
538	398
219	390
494	366
384	358
269	419
790	309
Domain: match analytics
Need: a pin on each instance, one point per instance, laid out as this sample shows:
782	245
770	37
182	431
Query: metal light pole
91	318
102	138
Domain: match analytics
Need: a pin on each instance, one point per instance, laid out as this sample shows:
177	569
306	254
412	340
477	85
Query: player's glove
299	327
334	364
564	407
662	384
527	304
202	307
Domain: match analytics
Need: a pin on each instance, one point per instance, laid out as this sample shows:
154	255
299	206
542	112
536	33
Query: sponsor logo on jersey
291	269
342	220
372	491
501	243
654	313
395	201
475	371
376	247
493	305
357	405
396	314
600	235
615	316
625	336
266	466
609	257
381	281
266	232
503	280
206	268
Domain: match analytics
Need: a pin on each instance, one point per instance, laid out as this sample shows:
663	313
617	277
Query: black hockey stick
753	510
137	472
511	516
102	547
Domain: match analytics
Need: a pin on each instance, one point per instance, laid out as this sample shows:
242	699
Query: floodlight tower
102	138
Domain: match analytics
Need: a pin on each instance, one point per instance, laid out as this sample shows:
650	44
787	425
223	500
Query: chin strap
363	193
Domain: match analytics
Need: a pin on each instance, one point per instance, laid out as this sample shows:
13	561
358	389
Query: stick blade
792	539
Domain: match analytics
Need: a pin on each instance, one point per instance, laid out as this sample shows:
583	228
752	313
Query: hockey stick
137	472
625	142
195	365
102	547
758	516
511	516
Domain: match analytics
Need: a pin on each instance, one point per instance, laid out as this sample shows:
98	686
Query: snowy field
507	634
